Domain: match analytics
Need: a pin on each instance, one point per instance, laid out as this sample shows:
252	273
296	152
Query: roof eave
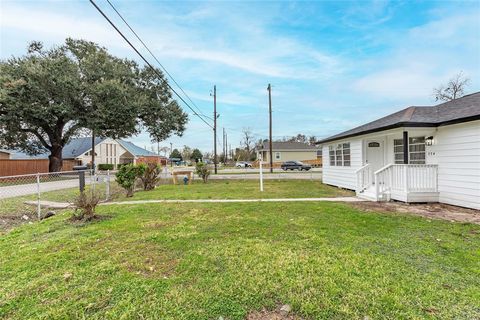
393	126
402	124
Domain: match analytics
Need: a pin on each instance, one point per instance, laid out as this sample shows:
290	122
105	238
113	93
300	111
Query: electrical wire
155	58
148	63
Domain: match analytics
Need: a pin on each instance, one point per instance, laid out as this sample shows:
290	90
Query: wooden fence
29	166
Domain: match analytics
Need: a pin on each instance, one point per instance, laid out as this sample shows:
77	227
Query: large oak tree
50	96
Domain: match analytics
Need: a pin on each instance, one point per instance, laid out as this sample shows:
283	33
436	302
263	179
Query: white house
419	154
107	151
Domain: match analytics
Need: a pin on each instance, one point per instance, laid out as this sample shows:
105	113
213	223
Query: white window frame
414	148
277	155
340	155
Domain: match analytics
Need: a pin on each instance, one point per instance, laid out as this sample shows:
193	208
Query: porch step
369	194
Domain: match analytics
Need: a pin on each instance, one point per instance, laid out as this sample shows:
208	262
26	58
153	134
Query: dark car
295	165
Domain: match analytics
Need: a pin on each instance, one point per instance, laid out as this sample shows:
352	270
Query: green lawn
203	261
243	189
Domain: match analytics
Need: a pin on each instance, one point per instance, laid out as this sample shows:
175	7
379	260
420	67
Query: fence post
107	186
39	211
93	175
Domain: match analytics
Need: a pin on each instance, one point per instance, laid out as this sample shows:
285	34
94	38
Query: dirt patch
277	314
8	222
429	210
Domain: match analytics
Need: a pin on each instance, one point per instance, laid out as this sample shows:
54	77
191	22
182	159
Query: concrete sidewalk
338	199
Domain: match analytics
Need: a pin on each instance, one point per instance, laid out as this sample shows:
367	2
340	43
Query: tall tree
186	153
49	96
455	88
175	154
196	155
247	141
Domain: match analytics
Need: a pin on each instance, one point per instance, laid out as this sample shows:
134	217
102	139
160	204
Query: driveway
31	188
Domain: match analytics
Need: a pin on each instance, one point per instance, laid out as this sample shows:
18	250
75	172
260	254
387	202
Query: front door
375	155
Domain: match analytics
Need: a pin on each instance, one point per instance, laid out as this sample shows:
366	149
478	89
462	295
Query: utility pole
226	147
215	127
270	129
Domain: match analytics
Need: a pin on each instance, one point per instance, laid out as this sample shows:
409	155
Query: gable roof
463	109
77	147
287	146
136	150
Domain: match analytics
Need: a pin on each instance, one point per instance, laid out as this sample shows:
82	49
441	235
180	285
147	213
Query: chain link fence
32	194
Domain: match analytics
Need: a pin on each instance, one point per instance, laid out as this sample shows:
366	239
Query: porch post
405	147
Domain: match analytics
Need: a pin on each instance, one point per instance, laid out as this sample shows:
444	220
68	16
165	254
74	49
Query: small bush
150	175
203	171
127	175
85	204
121	165
105	166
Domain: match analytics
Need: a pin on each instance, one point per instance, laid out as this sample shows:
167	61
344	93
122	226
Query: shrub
105	166
85	204
203	171
150	175
127	175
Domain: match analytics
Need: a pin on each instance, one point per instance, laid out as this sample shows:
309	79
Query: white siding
458	152
101	151
344	177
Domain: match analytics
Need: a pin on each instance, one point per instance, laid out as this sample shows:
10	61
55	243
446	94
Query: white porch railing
405	178
364	178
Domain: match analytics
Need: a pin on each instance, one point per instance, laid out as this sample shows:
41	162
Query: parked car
295	165
243	164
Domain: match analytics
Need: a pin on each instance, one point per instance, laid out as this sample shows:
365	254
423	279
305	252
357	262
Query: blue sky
332	65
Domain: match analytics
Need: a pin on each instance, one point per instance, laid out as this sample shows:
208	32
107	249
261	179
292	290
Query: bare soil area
428	210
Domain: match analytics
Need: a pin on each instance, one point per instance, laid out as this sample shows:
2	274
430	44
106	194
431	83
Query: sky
332	65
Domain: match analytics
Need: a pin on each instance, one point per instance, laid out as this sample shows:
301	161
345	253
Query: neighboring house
4	154
419	154
107	150
287	151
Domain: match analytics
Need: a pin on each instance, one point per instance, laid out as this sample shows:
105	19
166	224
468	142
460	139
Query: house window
277	155
346	154
398	151
331	153
340	155
416	150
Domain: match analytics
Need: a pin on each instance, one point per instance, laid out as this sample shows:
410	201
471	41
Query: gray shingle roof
459	110
135	150
287	145
77	147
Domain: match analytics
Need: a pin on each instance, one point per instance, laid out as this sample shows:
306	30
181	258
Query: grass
203	261
243	189
214	189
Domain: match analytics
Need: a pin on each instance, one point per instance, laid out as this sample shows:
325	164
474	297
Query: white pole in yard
261	175
39	211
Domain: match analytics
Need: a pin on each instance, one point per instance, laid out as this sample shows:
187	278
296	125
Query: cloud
423	58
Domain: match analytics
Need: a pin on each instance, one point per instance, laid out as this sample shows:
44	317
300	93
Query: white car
243	164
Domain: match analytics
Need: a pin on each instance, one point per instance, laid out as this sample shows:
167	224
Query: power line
155	58
146	61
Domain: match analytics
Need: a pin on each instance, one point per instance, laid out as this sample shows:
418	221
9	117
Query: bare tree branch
454	89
